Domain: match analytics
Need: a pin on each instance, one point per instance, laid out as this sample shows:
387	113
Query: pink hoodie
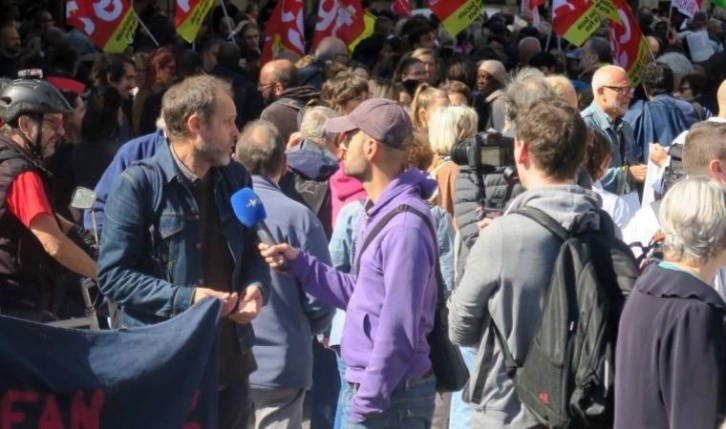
344	189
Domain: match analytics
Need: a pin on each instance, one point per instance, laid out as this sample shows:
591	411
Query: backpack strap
544	220
440	302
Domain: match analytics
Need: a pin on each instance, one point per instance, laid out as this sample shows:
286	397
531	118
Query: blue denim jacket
148	261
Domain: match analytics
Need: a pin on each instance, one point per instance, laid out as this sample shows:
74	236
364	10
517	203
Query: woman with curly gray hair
671	349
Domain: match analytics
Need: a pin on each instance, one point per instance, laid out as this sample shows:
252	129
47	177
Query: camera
487	152
490	158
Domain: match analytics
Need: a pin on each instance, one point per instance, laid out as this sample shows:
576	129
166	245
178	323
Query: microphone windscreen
248	207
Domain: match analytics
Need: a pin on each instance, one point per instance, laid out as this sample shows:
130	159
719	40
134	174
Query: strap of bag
440	302
558	231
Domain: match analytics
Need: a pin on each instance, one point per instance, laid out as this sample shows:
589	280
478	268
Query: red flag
401	7
110	24
339	18
630	49
284	30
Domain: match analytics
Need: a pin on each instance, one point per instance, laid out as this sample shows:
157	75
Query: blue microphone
249	210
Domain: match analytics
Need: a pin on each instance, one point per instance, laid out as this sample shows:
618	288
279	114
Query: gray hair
260	148
528	86
449	125
312	125
679	63
693	219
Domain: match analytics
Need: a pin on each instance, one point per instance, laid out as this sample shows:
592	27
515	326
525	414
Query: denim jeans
411	407
460	410
324	393
340	413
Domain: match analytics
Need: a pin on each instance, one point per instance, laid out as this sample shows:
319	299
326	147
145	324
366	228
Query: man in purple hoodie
390	302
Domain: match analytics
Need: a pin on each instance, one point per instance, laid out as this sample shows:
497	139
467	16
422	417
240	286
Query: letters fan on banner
110	24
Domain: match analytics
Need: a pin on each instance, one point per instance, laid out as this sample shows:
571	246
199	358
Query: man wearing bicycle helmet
33	239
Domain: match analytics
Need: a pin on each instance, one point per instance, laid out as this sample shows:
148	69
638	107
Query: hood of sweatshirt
567	204
412	181
312	161
302	94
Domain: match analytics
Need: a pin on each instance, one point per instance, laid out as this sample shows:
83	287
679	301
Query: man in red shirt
33	239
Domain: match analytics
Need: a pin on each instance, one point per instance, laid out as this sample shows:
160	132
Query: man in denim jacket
170	237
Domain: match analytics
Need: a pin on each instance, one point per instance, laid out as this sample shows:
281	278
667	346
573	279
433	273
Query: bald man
564	89
612	93
284	96
330	49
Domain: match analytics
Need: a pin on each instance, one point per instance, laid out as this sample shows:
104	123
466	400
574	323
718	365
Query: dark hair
110	68
543	59
596	151
63	61
461	69
101	120
209	43
415	33
657	78
553	132
403	67
229	54
698	82
194	95
456	87
602	48
188	64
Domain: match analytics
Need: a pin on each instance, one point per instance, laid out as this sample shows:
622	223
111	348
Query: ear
372	149
421	116
523	156
108	79
716	170
194	124
338	141
283	166
24	124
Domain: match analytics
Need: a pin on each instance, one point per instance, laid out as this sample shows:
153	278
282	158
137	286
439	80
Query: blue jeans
460	410
340	413
411	407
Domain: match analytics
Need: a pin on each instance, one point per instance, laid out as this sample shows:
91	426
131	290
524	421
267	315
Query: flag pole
141	23
231	34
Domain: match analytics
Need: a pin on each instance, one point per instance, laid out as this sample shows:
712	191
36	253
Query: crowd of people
350	151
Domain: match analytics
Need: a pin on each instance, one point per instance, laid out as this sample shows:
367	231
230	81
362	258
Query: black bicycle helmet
30	96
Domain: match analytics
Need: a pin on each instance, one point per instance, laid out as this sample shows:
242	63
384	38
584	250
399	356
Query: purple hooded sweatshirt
390	303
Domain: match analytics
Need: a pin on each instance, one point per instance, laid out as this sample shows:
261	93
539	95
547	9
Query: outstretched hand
277	256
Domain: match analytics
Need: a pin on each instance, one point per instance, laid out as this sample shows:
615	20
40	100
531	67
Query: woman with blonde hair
448	126
344	92
426	101
431	63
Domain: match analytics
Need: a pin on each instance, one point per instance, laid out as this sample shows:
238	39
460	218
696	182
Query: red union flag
401	7
456	15
110	24
339	18
189	16
630	50
284	30
575	20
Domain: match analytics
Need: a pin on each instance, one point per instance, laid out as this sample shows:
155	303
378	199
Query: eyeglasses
261	86
54	124
622	90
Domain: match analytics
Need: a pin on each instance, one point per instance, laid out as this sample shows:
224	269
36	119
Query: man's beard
269	99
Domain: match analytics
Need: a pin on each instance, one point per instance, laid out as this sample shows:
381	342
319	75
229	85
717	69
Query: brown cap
382	119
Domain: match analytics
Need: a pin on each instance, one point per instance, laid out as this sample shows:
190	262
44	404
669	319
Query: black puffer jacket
497	191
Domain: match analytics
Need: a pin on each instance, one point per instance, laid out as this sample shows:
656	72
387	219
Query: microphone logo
253	202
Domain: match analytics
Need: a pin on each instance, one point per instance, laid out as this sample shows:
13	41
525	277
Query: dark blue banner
157	377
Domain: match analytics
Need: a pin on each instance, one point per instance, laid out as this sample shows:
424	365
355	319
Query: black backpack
567	378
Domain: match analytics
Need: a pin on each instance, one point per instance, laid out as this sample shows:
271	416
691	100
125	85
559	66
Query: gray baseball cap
381	118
